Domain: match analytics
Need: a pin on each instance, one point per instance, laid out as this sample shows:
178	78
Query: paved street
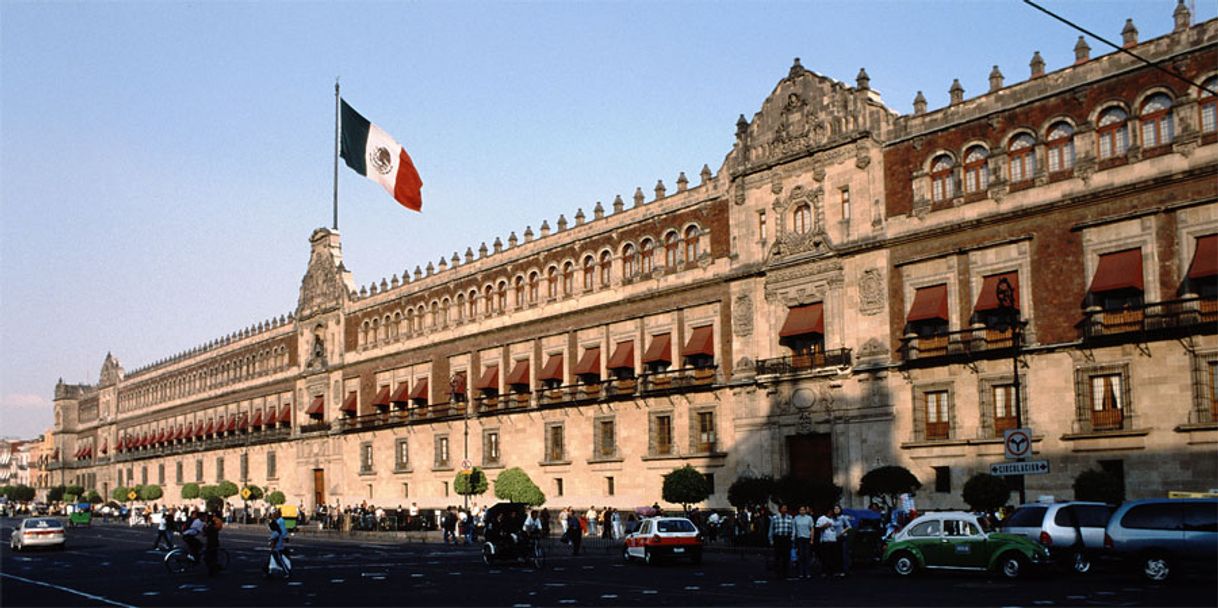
112	565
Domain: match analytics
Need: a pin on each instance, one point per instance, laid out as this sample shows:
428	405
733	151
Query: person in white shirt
590	516
830	554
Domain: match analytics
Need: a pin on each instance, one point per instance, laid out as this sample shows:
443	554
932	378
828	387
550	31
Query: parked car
955	540
1072	531
664	537
37	532
1157	535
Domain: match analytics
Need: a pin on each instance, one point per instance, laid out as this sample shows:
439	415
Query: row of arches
264	361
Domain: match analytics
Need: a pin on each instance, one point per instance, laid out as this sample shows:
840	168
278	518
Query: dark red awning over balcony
1205	259
660	349
1119	270
590	362
701	342
420	389
623	355
382	397
929	303
519	374
987	298
402	395
553	368
317	407
489	380
350	403
803	320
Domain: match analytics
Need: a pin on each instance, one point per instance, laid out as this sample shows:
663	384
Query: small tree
55	494
473	483
514	485
227	489
151	492
208	493
985	492
255	492
21	493
119	494
888	483
795	492
190	491
74	490
1100	486
276	498
685	486
747	492
93	497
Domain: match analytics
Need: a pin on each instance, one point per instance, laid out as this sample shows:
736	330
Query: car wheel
649	558
1081	564
626	553
1156	568
488	553
1011	565
15	546
904	564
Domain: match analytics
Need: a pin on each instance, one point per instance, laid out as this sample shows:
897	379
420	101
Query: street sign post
1017	443
1031	467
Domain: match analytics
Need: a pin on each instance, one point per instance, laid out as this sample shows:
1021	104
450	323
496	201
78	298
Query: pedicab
506	538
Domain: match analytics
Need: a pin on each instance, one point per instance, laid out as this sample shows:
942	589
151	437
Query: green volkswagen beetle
956	540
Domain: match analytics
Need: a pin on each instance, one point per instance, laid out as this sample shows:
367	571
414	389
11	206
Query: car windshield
675	525
1026	517
43	523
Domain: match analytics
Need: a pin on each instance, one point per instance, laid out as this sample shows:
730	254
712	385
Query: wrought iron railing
803	362
1183	314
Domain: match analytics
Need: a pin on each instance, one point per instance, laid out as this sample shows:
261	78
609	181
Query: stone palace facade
838	296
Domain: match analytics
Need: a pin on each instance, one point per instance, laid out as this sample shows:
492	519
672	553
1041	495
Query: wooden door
810	457
319	487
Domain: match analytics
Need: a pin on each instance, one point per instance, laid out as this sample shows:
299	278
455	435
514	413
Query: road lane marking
97	598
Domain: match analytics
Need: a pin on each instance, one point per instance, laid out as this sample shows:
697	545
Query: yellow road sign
132	495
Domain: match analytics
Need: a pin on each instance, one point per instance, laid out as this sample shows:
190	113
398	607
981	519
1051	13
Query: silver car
1158	535
37	532
1058	527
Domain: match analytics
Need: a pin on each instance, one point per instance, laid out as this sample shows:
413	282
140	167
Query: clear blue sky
163	163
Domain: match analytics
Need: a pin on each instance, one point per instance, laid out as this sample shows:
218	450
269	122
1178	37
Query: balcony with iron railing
388	418
185	446
806	362
1172	317
681	380
974	343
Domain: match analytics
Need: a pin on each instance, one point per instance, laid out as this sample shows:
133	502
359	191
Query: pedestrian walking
843	531
278	543
162	519
781	528
590	517
211	531
830	553
804	525
574	534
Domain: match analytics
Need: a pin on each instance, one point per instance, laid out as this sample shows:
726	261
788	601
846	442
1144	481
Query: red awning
317	407
1119	270
350	403
382	397
285	413
803	320
76	455
623	355
232	423
458	383
553	368
197	431
244	421
1205	259
211	427
420	389
122	444
660	349
105	446
258	418
701	342
489	380
590	363
987	299
402	395
929	303
519	374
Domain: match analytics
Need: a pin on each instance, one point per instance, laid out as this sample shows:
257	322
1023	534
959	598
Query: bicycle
179	560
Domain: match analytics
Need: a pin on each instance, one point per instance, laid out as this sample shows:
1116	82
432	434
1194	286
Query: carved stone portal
742	316
871	292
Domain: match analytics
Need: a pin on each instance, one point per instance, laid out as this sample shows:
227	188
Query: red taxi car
664	537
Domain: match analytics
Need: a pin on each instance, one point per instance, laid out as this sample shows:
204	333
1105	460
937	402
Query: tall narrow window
802	219
937	415
1208	105
534	287
1107	407
552	283
198	470
629	264
441	451
270	465
1004	408
489	301
706	432
501	296
1021	162
219	469
693	238
568	279
1112	133
490	447
365	457
761	226
178	473
976	170
1059	146
672	250
473	304
941	179
1156	119
589	273
606	438
606	268
519	291
661	434
646	257
555	444
401	454
845	204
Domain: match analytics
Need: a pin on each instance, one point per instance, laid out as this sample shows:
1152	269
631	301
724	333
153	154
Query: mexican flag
371	152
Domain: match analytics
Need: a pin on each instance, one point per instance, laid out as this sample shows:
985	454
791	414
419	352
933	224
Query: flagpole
337	129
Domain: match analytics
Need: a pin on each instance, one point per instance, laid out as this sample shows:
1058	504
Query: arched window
976	170
589	273
1156	118
386	328
534	284
473	303
629	265
802	219
363	334
1112	133
606	268
568	278
488	301
552	283
1208	104
376	331
435	315
1021	161
672	248
396	327
646	257
941	182
693	237
1059	146
445	305
501	297
519	292
460	310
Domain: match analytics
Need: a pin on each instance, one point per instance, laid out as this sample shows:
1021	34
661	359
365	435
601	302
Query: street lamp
453	383
1009	309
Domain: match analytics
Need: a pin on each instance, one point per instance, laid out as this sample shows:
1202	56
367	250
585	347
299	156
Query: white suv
1058	527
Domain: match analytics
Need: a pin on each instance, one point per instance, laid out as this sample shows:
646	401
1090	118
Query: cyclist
192	533
279	536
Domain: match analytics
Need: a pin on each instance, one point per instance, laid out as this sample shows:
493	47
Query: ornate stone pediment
326	282
803	284
111	371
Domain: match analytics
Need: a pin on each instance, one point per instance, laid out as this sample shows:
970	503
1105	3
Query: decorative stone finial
1037	64
482	250
638	196
660	189
1183	17
742	126
545	228
796	69
618	205
862	81
431	269
456	259
363	291
995	79
562	222
956	92
1082	52
405	277
580	217
598	212
469	254
394	281
528	234
919	103
384	284
443	264
498	244
706	174
372	288
682	182
418	273
512	240
1129	34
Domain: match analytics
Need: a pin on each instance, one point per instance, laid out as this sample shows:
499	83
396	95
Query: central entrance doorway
319	487
810	457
